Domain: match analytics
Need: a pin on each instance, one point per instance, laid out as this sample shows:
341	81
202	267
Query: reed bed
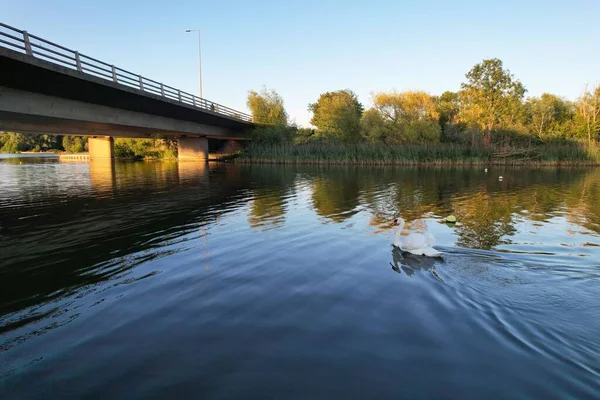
431	154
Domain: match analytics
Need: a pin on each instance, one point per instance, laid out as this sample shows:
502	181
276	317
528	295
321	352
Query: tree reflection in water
487	209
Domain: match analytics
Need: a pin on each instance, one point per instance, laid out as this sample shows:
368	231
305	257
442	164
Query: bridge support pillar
193	148
101	147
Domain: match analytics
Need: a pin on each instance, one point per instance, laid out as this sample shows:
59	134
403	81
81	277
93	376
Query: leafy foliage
588	113
161	148
12	142
491	97
546	115
267	107
408	106
408	117
74	144
273	133
448	107
337	114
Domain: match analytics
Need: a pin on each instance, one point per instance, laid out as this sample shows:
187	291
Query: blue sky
304	48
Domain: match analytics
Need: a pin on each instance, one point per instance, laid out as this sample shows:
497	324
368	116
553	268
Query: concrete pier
101	147
193	149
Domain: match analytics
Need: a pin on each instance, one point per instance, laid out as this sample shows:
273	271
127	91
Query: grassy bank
435	154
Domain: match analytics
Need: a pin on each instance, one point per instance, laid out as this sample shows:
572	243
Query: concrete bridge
48	88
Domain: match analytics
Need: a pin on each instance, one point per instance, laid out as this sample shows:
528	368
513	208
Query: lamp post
199	58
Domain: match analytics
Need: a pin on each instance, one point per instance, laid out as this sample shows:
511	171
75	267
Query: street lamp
199	57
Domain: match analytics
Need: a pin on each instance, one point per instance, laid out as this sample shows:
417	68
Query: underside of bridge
40	97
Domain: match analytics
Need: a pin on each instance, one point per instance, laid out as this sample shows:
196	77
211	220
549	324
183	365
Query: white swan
420	244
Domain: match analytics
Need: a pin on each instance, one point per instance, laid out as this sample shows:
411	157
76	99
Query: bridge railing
35	46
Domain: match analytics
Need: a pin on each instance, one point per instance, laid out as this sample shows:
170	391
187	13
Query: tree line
13	142
490	109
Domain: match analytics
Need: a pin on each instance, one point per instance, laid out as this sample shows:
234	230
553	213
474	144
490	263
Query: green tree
51	142
373	126
408	117
337	114
448	106
546	115
12	142
160	147
74	144
410	106
267	107
588	112
491	98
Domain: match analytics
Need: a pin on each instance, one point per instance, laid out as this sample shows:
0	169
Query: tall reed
382	154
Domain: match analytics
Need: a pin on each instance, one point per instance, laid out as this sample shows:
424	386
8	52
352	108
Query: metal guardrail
35	46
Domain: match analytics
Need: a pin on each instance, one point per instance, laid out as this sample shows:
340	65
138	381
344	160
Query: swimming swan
420	244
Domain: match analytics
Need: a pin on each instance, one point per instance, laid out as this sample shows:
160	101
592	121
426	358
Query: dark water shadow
411	263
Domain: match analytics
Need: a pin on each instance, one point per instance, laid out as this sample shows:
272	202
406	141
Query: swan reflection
411	263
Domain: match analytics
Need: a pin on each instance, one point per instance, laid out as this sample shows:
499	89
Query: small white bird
500	178
420	244
485	170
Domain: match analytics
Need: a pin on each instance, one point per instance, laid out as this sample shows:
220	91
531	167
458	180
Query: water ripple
225	280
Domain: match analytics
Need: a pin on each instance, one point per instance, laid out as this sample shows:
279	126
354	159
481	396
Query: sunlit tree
337	114
12	142
588	112
410	106
74	144
267	107
491	97
546	114
406	117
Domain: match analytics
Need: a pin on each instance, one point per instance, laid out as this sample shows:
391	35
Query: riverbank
438	154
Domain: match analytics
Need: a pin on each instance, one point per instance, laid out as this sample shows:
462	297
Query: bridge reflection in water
103	177
101	219
104	172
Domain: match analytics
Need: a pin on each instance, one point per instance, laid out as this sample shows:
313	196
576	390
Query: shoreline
574	154
425	163
241	159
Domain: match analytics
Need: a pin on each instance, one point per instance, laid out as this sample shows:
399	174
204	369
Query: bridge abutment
193	148
101	147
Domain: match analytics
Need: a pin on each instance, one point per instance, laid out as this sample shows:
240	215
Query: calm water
269	282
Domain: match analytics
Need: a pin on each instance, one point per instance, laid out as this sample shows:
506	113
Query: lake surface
167	280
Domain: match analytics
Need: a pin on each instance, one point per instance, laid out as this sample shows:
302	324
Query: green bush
74	144
273	134
140	149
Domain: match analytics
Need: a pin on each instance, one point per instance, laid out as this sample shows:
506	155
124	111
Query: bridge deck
46	54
